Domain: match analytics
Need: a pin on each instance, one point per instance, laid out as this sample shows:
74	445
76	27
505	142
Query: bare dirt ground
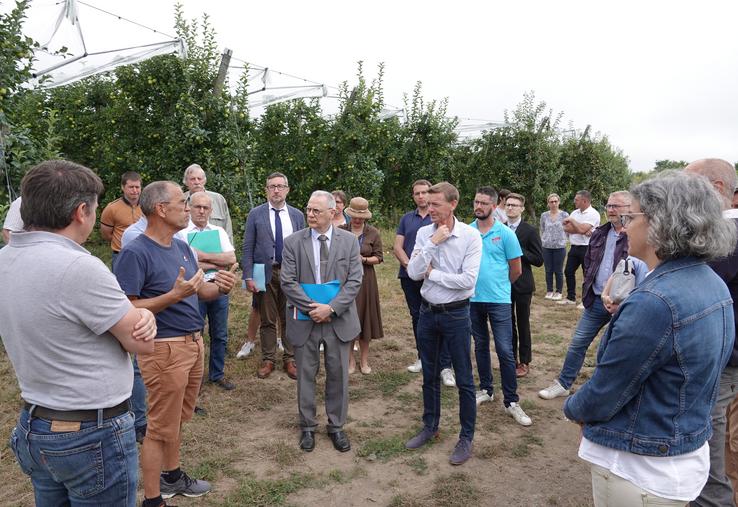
247	444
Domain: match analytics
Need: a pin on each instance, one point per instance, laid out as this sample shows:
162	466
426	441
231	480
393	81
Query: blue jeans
138	397
411	288
553	260
500	317
97	465
216	312
592	321
453	328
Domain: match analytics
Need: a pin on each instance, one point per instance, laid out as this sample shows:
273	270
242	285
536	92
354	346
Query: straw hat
358	208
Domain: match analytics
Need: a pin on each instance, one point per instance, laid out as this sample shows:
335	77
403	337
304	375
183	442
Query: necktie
278	239
323	256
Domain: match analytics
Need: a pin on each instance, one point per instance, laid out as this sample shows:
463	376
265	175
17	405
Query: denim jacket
659	363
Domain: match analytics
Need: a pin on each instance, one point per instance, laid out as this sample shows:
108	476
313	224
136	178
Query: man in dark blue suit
266	227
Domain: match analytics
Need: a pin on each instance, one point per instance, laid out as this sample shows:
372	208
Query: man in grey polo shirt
69	353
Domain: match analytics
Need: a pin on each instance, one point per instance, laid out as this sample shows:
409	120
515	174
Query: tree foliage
160	115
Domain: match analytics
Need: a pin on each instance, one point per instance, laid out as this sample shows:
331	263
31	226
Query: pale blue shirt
316	250
455	263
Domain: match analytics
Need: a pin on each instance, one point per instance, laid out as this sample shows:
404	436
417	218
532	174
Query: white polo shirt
588	216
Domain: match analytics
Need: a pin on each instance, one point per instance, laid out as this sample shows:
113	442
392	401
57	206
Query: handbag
623	281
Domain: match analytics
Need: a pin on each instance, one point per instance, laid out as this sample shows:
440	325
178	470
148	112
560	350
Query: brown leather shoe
522	370
267	367
291	369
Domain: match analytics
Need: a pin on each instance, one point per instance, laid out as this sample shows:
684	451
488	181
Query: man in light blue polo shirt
500	267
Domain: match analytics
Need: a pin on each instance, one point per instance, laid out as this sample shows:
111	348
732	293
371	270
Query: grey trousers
718	491
307	358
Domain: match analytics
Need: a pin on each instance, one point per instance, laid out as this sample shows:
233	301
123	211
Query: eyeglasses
314	211
200	207
614	206
277	187
511	205
627	218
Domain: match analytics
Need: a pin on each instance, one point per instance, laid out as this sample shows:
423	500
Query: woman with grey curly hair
645	413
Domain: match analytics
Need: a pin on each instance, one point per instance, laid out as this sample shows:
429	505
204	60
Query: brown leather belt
76	415
188	337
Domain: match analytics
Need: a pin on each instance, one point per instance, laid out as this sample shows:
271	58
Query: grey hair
327	196
190	169
685	217
201	193
624	194
153	194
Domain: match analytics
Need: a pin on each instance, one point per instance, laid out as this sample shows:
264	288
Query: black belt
445	307
76	415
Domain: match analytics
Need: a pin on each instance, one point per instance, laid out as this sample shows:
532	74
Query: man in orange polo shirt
122	212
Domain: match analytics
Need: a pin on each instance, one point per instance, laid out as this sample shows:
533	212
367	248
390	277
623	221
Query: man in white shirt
579	225
216	311
446	257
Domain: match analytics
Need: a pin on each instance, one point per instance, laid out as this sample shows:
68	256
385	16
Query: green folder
205	241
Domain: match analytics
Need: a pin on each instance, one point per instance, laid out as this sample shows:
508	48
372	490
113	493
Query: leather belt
445	307
76	415
194	336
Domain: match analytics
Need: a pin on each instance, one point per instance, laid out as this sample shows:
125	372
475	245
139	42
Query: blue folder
259	277
320	293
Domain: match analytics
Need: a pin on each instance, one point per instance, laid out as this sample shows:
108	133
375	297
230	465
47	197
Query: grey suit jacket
258	239
344	264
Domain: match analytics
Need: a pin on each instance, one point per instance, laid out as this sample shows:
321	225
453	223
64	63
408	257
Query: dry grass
247	444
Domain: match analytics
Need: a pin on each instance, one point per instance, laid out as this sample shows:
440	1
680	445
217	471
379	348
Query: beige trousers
610	490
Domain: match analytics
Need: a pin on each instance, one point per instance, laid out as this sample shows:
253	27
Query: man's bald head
721	174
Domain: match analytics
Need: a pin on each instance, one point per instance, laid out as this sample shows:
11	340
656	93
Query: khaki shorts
172	374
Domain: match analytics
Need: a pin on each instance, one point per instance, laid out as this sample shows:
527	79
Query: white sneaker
416	367
517	413
549	295
482	396
246	349
553	391
556	296
566	302
580	306
279	344
447	375
356	346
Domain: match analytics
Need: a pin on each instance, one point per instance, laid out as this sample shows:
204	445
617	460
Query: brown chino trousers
272	305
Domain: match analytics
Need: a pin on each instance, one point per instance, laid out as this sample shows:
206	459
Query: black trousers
573	261
522	347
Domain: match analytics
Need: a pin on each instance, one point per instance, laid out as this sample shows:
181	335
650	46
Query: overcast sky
659	78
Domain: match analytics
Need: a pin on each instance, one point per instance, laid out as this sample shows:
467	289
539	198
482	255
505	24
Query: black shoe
200	411
140	434
224	384
340	441
307	441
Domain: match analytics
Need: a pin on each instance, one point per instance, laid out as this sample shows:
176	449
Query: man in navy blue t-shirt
159	272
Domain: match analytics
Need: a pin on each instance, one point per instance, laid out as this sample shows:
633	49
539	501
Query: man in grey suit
321	254
267	226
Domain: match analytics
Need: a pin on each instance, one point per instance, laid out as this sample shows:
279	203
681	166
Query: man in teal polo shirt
500	267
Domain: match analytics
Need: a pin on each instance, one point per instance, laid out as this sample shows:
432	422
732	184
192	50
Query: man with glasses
321	254
579	226
524	287
491	302
159	272
267	226
607	246
219	255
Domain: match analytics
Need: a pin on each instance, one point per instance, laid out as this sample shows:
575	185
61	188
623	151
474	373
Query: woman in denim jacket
645	413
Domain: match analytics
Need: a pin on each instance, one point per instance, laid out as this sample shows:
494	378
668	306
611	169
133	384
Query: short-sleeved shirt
225	242
13	221
220	214
408	229
588	216
119	214
499	245
57	303
146	269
